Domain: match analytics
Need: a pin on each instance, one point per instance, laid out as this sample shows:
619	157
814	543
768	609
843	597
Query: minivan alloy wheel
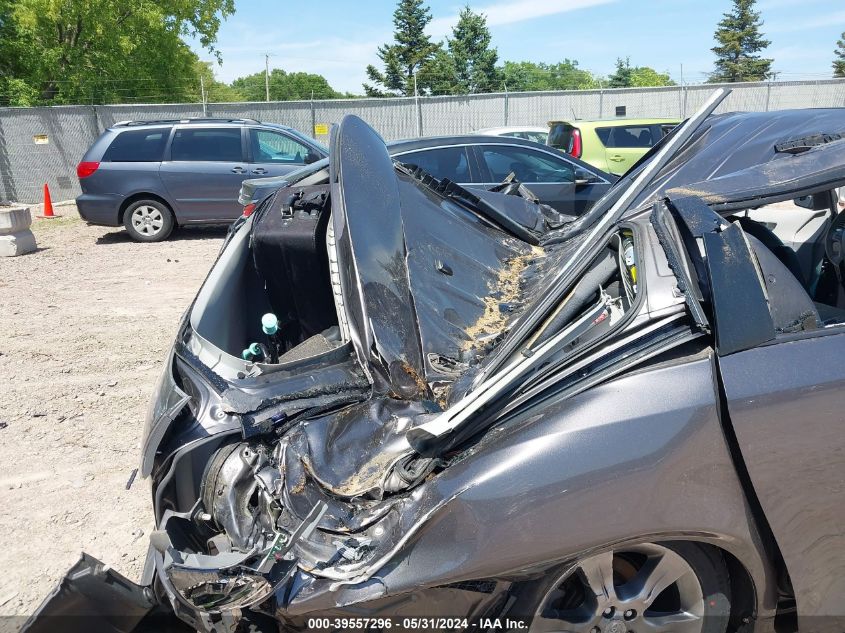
647	588
147	220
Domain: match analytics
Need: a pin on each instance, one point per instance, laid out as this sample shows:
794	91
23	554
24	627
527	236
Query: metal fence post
507	105
681	101
601	101
768	94
313	118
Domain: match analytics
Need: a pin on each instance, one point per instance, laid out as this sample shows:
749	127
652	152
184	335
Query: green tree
627	76
839	61
101	51
438	75
215	91
739	41
411	50
623	76
531	76
284	86
473	58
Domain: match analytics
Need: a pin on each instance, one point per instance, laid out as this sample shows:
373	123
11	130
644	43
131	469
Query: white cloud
516	11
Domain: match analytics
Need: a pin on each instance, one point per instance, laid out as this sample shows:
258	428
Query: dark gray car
479	162
151	176
398	404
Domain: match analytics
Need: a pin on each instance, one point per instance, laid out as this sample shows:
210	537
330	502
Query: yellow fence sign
321	129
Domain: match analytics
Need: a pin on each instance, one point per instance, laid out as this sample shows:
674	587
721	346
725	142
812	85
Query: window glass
665	128
275	147
137	146
528	165
631	136
560	136
537	137
443	162
604	135
216	144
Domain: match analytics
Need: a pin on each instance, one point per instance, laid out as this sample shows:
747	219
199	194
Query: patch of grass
40	225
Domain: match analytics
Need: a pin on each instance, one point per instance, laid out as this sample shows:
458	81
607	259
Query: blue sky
338	39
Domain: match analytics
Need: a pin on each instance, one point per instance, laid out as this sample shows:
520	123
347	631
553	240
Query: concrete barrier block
14	219
19	243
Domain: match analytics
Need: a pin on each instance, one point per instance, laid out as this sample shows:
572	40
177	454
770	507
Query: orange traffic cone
48	204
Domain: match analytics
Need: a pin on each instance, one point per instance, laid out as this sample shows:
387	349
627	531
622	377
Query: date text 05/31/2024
418	623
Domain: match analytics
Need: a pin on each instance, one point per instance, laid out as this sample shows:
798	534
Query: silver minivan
151	176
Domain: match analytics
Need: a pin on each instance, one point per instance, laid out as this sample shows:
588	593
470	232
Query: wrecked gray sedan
398	404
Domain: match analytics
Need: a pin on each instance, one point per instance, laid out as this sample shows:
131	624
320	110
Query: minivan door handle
238	170
616	158
259	170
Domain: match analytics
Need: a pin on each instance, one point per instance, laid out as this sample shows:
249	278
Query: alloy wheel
645	588
147	220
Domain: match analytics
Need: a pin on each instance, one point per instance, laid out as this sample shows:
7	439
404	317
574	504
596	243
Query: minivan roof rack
188	120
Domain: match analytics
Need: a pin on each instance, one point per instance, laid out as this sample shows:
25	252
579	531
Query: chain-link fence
43	145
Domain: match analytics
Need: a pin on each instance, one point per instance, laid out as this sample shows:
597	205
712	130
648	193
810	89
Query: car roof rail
183	121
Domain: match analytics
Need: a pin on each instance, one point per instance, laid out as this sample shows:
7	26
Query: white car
530	133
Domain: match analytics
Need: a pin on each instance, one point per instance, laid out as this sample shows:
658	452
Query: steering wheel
834	241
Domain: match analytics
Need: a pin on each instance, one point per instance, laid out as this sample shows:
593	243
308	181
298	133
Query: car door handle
259	170
616	158
238	170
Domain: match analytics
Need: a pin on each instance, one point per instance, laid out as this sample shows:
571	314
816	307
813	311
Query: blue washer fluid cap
251	352
270	324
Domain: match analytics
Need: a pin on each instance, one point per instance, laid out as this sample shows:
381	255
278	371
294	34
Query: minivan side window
207	144
137	146
275	147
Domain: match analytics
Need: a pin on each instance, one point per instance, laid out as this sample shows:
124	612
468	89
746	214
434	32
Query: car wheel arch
145	195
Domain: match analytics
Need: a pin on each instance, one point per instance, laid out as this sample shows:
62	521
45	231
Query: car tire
548	602
148	221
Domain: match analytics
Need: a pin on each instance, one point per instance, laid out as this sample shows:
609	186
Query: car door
785	396
626	144
203	171
558	182
276	153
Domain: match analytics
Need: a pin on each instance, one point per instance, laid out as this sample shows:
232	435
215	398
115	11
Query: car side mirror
311	157
583	178
817	201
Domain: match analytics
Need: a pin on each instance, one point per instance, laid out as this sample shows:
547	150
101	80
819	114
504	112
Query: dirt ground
85	323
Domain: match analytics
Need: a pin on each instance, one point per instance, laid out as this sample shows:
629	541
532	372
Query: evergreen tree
474	59
839	62
739	42
627	76
411	49
621	78
438	75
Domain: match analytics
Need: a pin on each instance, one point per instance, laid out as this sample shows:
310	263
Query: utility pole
267	77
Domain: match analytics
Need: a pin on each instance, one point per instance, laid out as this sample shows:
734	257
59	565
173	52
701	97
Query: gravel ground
85	323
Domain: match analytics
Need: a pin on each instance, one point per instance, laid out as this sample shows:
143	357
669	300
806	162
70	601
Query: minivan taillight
86	168
575	145
248	209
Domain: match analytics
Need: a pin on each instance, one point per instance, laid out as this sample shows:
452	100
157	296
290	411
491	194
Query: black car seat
771	241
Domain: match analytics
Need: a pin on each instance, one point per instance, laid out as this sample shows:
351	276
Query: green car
612	145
